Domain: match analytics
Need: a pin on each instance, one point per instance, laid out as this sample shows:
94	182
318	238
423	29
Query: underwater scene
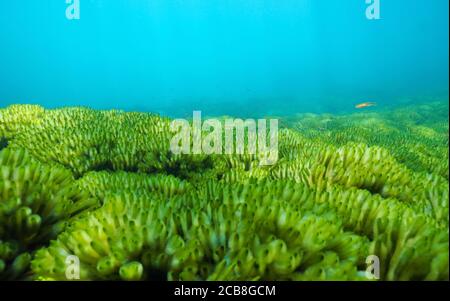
220	140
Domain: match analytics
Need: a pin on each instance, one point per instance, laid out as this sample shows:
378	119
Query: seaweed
35	203
104	186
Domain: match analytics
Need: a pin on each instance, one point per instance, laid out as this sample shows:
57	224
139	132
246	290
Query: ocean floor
98	195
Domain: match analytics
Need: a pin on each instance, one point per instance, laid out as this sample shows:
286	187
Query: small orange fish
365	105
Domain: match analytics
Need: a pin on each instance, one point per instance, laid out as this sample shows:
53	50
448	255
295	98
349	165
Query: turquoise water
237	57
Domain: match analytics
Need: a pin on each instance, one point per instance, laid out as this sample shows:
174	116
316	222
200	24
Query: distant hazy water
235	57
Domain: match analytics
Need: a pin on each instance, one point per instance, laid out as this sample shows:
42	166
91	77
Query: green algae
103	186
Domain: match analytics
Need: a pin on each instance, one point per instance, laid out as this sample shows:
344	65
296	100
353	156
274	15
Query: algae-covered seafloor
103	186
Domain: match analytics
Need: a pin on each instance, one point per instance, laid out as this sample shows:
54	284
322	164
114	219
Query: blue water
240	57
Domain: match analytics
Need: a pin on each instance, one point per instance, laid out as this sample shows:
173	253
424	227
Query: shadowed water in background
236	57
